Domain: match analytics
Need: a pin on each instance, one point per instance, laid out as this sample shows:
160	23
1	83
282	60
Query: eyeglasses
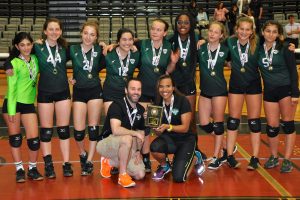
183	22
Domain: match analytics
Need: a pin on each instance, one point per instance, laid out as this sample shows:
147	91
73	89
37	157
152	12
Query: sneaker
67	169
253	164
214	163
49	170
87	169
223	159
34	174
231	161
105	168
161	172
20	176
271	162
125	180
199	158
114	171
200	169
83	159
286	166
147	164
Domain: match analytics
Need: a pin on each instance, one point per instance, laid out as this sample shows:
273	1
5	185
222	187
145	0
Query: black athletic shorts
49	97
188	89
210	97
86	94
254	87
276	94
21	108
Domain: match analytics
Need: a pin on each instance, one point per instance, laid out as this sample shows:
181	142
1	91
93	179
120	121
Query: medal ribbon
183	51
53	60
156	58
124	68
32	70
131	120
271	54
88	64
243	56
212	62
169	115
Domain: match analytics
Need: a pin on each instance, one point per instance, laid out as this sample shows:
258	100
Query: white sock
19	165
32	165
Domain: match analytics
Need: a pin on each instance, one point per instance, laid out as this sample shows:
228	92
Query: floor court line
268	177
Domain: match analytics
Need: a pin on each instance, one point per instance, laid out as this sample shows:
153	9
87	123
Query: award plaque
154	115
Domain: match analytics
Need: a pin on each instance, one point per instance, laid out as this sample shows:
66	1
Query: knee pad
233	123
33	144
208	128
15	140
63	132
272	131
79	135
254	125
288	127
46	134
93	133
218	128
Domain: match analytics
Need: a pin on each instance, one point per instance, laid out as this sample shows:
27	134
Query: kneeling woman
174	133
18	105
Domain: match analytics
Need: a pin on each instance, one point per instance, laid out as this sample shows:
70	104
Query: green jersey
153	66
118	73
184	72
242	75
212	81
281	71
52	79
21	86
86	67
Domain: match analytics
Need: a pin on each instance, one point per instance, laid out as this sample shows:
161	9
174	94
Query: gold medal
90	76
184	64
243	70
213	73
156	69
54	71
270	68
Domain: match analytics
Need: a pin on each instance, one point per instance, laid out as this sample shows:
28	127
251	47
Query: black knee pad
93	133
63	132
33	144
208	128
233	123
15	140
79	135
46	134
288	127
218	128
272	131
254	125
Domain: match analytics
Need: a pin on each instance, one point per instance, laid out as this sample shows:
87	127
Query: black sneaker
83	159
114	171
20	176
67	169
231	161
254	163
147	164
49	170
214	163
87	169
204	156
223	159
34	174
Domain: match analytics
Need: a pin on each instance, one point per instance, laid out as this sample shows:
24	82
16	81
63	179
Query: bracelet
170	128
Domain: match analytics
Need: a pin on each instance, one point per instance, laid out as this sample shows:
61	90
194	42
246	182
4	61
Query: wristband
170	128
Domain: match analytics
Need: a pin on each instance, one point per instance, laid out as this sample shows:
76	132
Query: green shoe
286	166
271	163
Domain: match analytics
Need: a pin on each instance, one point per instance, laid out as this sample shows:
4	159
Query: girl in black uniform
87	92
175	136
278	68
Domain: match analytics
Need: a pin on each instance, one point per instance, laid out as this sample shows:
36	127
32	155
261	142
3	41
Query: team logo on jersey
42	49
202	52
113	61
146	49
138	117
95	54
132	61
165	51
76	54
221	54
233	47
276	51
175	111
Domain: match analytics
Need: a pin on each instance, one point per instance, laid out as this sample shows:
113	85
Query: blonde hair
222	27
253	38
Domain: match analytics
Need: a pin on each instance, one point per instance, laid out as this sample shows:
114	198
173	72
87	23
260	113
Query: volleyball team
166	77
